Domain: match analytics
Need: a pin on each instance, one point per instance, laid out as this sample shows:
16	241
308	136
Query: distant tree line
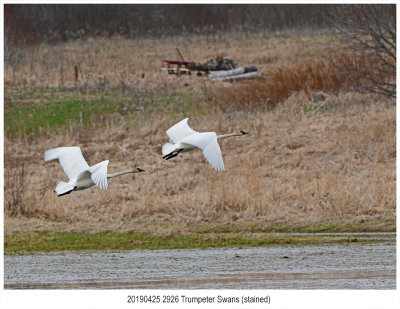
368	29
32	23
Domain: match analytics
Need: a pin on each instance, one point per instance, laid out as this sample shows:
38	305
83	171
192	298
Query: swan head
139	170
243	132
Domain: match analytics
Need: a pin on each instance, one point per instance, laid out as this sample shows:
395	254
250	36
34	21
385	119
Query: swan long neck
121	173
229	135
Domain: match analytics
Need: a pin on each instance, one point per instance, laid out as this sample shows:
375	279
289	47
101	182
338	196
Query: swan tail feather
63	188
167	149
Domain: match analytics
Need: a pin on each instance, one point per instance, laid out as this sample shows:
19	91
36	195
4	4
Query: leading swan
184	139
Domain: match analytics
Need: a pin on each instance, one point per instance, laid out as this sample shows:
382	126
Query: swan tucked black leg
172	154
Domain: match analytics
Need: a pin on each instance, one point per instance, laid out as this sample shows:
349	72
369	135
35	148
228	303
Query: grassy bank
36	242
201	236
22	243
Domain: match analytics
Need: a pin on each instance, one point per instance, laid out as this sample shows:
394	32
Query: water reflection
336	266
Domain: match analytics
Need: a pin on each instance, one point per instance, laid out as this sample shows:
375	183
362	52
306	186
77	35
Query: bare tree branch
370	31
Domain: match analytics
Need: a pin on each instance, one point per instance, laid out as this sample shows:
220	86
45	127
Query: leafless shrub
265	93
370	31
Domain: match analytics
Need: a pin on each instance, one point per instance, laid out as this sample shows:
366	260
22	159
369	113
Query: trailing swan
81	175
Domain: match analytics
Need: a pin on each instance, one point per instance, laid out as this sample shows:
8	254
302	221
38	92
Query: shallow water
334	266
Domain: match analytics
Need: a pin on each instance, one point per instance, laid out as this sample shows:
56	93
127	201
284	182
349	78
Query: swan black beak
139	169
244	132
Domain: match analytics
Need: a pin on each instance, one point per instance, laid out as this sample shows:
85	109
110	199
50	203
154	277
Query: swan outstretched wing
99	174
71	159
207	141
179	131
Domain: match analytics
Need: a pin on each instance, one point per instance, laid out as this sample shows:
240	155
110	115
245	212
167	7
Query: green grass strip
26	120
38	112
34	242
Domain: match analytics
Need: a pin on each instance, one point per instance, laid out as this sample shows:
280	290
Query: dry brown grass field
304	163
119	62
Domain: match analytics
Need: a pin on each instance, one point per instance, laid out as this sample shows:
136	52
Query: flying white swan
81	175
184	139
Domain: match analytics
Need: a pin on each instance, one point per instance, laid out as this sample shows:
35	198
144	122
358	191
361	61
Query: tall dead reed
15	186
